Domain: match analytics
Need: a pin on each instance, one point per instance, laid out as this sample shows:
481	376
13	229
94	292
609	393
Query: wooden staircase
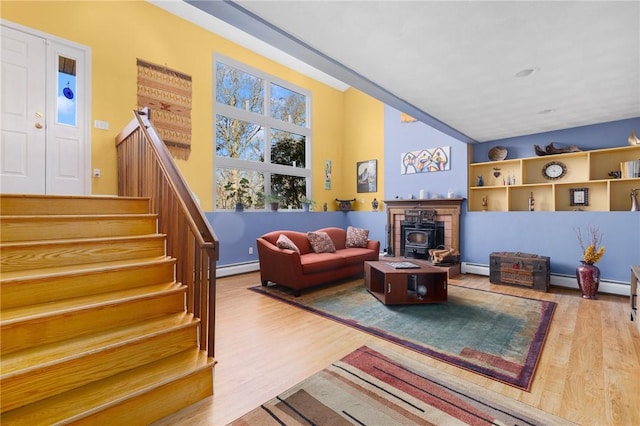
93	325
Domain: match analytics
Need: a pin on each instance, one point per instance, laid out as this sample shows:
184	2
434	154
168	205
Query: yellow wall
363	141
347	127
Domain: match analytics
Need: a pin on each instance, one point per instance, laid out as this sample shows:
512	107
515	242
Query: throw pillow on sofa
357	237
285	242
321	242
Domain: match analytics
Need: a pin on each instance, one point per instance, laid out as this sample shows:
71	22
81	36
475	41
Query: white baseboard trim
238	268
559	280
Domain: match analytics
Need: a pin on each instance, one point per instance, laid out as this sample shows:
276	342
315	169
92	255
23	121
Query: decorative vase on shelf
588	276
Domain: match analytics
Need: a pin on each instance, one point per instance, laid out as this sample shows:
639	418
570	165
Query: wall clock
554	170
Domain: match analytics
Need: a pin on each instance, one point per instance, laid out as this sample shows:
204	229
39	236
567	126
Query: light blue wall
546	233
403	137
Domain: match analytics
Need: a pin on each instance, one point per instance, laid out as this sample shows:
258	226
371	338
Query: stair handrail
147	169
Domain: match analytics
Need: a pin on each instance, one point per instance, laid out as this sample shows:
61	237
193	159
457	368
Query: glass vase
588	276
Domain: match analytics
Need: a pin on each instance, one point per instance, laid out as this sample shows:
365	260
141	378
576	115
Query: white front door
44	143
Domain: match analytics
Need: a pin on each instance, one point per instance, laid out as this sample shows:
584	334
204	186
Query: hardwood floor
589	372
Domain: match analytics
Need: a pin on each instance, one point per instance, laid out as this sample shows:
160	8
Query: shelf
505	168
589	170
597	196
602	162
620	193
576	167
542	195
495	196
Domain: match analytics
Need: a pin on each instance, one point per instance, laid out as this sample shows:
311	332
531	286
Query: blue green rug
496	335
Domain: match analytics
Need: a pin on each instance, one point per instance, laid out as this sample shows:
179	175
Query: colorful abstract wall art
425	160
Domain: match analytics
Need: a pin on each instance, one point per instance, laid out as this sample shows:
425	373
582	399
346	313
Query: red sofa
306	269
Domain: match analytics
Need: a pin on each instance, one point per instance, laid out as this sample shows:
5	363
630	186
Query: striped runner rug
368	387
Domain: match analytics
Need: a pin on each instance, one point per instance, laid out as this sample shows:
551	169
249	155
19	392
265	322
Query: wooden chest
519	269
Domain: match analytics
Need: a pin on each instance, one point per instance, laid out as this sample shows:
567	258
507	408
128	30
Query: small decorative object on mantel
551	149
344	205
633	138
588	274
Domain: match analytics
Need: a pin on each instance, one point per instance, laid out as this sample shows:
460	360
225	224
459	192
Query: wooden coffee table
393	285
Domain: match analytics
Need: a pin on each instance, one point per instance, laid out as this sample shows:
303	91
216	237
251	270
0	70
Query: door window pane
67	104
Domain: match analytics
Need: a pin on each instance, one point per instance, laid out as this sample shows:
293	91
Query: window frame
268	123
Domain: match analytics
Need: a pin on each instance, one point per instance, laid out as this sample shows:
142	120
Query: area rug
496	335
369	387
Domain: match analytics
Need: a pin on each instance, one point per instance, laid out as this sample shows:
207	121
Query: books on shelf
630	169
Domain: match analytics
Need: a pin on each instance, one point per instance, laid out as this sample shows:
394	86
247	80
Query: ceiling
454	64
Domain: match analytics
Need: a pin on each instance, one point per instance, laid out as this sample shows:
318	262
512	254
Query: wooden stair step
21	361
35	255
122	399
32	375
35	325
32	287
19	204
47	227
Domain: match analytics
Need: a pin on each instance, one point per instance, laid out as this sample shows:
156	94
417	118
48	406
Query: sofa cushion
319	262
357	237
357	255
298	238
284	242
337	235
321	242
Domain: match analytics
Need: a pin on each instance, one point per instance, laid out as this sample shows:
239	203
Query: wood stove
420	232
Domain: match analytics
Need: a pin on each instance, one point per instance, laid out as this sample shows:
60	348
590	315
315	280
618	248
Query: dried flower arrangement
594	250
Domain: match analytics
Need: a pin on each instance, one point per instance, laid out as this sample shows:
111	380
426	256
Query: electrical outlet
250	250
96	173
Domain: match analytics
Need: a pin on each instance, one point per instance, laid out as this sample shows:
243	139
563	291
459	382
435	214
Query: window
67	108
262	138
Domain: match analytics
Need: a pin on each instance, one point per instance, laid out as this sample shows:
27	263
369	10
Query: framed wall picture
579	196
367	176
